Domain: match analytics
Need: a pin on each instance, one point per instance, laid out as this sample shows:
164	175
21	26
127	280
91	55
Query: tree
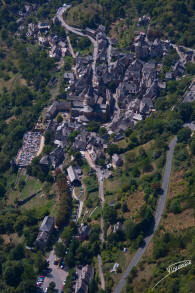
190	68
27	286
185	111
192	145
59	119
18	252
124	207
2	190
174	125
68	62
184	134
51	288
93	126
21	184
110	214
112	149
12	274
130	230
102	131
72	135
67	234
60	249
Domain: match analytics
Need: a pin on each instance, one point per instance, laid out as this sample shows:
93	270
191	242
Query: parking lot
56	275
30	148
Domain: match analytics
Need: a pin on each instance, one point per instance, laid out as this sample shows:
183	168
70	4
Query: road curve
158	214
78	32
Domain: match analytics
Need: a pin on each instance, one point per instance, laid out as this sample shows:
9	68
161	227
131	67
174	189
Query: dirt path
42	143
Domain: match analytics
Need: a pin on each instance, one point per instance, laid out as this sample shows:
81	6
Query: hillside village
118	94
111	89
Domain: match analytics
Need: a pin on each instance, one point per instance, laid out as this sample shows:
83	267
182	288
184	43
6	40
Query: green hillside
171	18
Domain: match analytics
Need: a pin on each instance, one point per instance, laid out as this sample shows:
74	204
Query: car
39	284
55	262
46	289
64	282
62	291
41	278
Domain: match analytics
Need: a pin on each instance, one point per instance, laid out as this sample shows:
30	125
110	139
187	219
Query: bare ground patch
177	184
179	222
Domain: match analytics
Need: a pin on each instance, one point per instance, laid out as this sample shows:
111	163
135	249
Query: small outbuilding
116	161
73	176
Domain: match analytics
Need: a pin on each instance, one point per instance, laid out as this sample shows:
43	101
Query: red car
39	284
62	291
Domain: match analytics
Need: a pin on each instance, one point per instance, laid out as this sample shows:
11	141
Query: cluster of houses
25	12
56	46
190	95
30	148
136	85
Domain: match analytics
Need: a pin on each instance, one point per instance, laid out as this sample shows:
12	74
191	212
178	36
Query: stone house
45	232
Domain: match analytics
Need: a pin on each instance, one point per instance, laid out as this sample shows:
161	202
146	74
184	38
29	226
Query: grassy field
31	186
81	14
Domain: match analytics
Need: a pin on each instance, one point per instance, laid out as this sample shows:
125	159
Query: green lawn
32	185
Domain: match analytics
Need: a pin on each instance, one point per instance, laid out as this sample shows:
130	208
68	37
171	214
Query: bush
174	206
192	145
184	135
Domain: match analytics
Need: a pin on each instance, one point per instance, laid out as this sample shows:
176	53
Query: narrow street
101	272
116	114
101	196
70	47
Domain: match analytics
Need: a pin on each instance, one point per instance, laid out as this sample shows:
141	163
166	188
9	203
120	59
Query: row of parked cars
40	281
41	278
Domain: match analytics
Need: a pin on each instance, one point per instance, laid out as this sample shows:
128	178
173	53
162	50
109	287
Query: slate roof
47	224
72	174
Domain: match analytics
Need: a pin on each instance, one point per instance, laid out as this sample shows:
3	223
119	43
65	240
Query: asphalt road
78	32
159	212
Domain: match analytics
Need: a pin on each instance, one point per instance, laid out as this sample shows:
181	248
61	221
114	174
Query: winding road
158	215
78	32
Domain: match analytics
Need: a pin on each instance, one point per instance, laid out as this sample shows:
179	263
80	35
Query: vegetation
132	191
174	19
174	235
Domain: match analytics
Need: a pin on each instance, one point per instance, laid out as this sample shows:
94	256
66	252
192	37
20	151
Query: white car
46	289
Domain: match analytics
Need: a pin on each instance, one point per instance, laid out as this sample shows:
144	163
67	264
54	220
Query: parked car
39	284
56	262
46	289
62	291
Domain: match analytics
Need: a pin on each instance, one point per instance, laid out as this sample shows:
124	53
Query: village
112	89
